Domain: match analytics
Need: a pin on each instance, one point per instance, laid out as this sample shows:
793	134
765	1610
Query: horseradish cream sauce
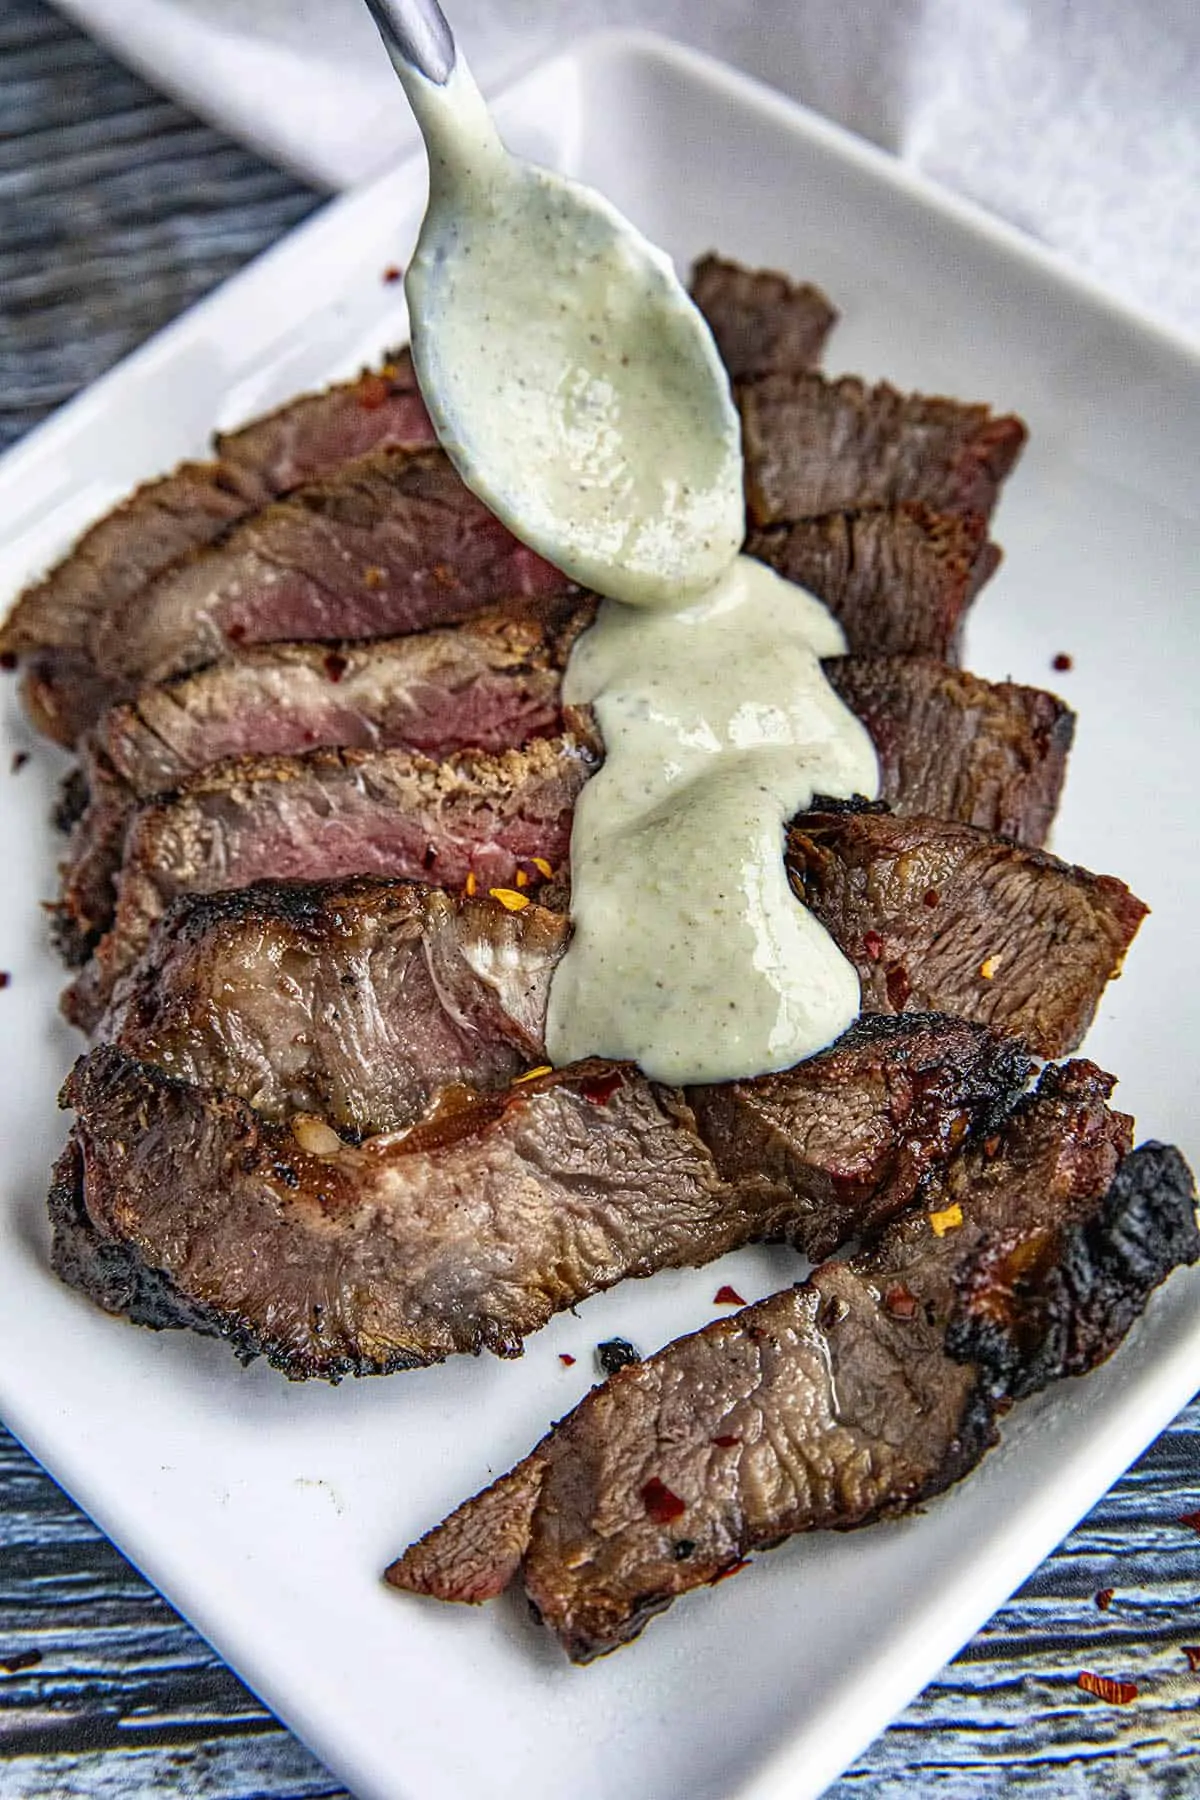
690	954
579	393
568	375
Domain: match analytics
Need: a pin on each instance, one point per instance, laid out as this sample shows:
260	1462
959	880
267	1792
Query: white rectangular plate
264	1511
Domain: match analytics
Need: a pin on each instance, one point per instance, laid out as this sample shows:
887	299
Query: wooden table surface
117	209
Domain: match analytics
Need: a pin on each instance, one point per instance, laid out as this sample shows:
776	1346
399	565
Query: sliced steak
942	917
816	446
898	579
935	917
391	543
52	626
395	990
492	683
949	743
331	814
982	753
358	1001
181	1205
854	1397
763	322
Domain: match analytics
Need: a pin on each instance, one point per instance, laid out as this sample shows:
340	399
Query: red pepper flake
391	275
567	1361
991	1145
1192	1652
1191	1520
236	633
8	660
733	1569
662	1505
20	758
900	1302
1117	1693
726	1441
336	665
23	1659
373	392
727	1296
899	987
1062	662
5	978
599	1089
931	898
1104	1598
873	945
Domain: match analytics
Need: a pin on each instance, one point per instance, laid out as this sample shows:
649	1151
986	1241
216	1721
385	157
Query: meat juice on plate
578	390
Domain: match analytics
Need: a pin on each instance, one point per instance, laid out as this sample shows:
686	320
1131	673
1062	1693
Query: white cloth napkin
1076	119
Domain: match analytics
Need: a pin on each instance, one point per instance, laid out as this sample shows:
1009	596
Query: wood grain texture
118	210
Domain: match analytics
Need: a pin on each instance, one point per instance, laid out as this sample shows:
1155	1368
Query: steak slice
334	813
180	1205
492	683
763	322
358	1001
942	917
949	743
856	1396
935	917
391	543
395	990
898	579
815	446
980	752
52	625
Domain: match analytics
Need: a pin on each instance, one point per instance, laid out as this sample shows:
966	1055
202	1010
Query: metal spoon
570	378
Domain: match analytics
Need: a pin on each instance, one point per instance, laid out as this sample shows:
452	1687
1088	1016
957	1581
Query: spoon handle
416	32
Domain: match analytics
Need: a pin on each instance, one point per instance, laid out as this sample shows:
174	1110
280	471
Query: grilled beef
936	917
334	813
390	543
492	683
941	916
52	626
898	579
763	323
816	446
180	1205
358	1001
949	743
980	752
856	1396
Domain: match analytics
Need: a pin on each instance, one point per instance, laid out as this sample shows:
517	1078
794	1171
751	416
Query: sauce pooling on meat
690	954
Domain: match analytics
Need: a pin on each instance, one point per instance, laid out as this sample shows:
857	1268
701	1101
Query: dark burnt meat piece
330	814
985	753
763	322
943	917
815	445
491	683
497	1208
51	627
898	579
856	1396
